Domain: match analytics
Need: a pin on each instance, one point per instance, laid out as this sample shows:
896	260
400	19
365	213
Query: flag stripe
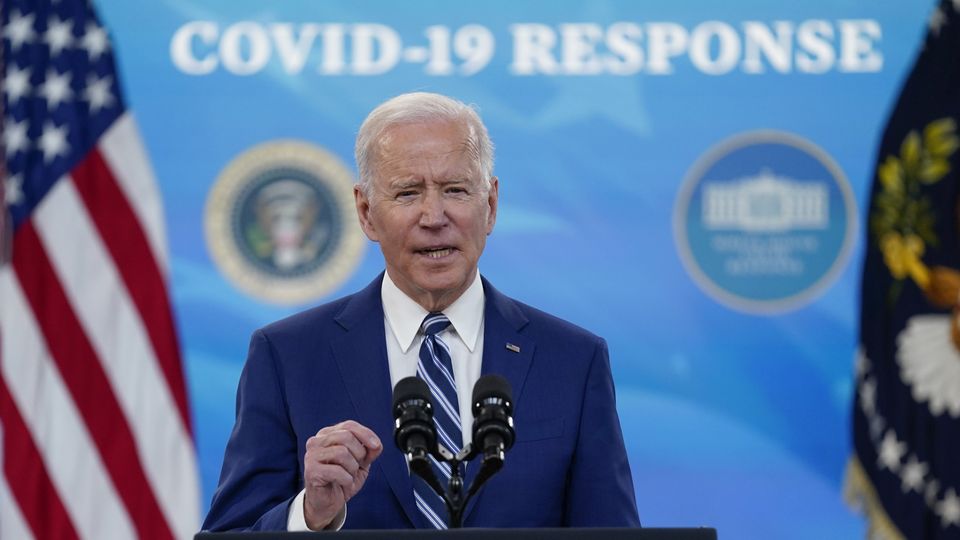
124	238
54	424
30	484
123	152
12	524
96	294
86	381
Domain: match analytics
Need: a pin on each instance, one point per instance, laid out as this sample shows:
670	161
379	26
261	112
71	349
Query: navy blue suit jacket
568	466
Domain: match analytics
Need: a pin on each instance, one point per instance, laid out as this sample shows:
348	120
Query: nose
432	211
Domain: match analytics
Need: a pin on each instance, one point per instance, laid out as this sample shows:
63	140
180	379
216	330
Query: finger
363	434
372	454
335	455
341	434
326	475
338	438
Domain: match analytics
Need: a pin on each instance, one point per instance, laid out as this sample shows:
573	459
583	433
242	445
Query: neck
432	301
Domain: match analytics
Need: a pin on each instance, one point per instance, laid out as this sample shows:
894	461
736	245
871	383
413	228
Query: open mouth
436	253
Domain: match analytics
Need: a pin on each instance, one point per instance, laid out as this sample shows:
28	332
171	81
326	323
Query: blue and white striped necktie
435	367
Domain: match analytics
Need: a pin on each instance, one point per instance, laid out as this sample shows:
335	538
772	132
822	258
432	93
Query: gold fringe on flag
859	493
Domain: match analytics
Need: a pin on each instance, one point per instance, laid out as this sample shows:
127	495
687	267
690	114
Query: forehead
426	149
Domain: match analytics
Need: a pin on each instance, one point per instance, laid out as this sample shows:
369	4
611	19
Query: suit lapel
361	357
503	322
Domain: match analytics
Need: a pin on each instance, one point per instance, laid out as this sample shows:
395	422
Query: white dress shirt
402	317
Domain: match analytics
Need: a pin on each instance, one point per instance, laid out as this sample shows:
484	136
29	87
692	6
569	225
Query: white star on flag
911	478
13	190
19	30
16	83
930	494
877	425
891	452
937	20
97	93
95	42
53	141
949	509
56	89
868	396
59	35
862	363
15	136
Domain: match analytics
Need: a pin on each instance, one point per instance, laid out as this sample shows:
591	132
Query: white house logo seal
280	222
765	221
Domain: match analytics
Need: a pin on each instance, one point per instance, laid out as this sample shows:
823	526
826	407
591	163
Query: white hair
420	107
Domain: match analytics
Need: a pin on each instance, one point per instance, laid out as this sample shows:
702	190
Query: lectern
480	534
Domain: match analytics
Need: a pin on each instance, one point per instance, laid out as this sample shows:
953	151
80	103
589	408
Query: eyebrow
457	180
405	183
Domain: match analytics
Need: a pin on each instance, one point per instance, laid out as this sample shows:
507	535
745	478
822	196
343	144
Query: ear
493	198
363	213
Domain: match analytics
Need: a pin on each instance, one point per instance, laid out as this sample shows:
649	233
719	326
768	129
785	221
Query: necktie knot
434	323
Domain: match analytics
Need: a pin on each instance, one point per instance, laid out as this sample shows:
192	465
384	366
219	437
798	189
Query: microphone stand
453	496
414	435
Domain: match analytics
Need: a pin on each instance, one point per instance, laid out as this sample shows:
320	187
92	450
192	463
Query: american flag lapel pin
512	347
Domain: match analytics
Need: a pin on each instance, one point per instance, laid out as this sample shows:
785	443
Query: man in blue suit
312	446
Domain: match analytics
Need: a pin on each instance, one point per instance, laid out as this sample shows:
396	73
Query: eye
456	189
406	194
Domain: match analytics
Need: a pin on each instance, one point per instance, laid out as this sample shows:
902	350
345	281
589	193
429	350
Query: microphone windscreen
492	386
410	388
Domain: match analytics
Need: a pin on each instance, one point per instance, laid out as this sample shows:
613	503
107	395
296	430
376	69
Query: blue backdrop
732	341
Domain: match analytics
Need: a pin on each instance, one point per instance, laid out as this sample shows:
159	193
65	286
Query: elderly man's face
429	209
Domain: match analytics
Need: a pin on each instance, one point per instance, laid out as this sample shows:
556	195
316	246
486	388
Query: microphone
415	433
493	424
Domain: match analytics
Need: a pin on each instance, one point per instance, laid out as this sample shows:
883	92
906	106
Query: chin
440	283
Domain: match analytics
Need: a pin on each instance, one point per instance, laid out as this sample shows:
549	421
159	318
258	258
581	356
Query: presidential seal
280	222
765	222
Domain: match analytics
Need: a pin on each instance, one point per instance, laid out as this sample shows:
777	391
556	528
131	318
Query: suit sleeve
260	475
600	487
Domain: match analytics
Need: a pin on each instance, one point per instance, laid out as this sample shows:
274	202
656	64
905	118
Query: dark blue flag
905	473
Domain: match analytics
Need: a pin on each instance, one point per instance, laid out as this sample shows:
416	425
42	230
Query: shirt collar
405	316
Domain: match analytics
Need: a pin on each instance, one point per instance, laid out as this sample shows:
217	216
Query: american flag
95	427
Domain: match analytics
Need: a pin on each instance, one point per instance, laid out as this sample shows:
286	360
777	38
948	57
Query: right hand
335	466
